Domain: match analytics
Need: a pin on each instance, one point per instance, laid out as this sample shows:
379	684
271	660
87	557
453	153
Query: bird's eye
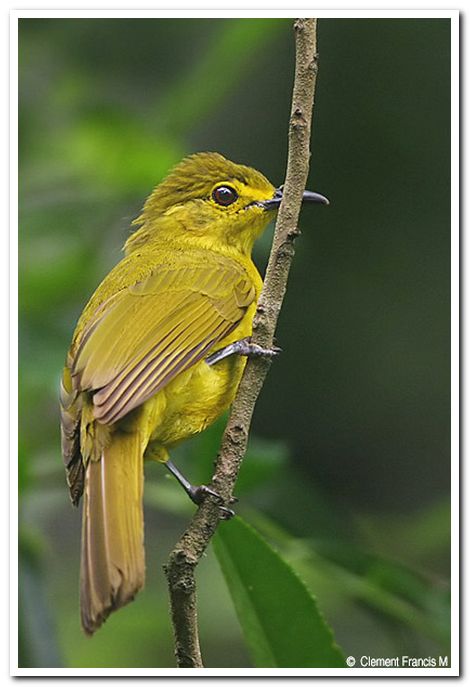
224	195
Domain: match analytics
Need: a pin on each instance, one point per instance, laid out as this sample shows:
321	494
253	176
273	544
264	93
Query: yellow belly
190	403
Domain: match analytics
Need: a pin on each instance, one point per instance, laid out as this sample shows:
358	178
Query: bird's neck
235	242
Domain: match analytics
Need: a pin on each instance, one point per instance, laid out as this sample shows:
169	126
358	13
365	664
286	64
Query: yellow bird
157	356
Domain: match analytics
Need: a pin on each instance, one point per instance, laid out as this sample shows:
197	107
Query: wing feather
165	341
155	329
158	372
145	378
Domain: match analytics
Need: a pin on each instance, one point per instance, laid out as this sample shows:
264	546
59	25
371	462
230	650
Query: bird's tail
113	560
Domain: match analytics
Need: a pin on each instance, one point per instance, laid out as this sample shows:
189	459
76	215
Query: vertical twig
189	549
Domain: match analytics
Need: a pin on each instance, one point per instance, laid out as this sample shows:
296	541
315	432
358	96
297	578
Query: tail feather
113	561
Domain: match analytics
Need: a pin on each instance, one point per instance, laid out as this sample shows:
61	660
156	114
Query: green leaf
278	615
341	572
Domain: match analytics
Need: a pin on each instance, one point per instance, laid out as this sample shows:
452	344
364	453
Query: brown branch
189	549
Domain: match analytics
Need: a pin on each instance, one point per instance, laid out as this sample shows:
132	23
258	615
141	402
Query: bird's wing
151	331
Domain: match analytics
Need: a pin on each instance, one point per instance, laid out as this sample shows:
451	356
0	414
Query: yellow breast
195	398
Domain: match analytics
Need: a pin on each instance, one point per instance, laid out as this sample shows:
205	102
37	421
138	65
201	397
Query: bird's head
211	201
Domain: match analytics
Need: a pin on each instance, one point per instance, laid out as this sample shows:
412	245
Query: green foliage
279	616
339	570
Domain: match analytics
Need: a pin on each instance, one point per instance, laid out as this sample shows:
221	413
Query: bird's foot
243	347
197	494
253	350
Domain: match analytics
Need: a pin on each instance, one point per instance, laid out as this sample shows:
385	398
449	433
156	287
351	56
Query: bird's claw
257	351
226	513
243	347
198	494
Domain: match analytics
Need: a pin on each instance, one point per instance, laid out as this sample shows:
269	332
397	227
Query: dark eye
224	195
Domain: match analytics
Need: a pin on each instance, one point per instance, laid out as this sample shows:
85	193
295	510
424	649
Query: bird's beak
308	197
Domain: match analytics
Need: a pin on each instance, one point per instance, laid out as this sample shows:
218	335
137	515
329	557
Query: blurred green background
348	468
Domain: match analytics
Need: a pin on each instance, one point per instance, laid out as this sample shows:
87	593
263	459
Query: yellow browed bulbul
151	361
